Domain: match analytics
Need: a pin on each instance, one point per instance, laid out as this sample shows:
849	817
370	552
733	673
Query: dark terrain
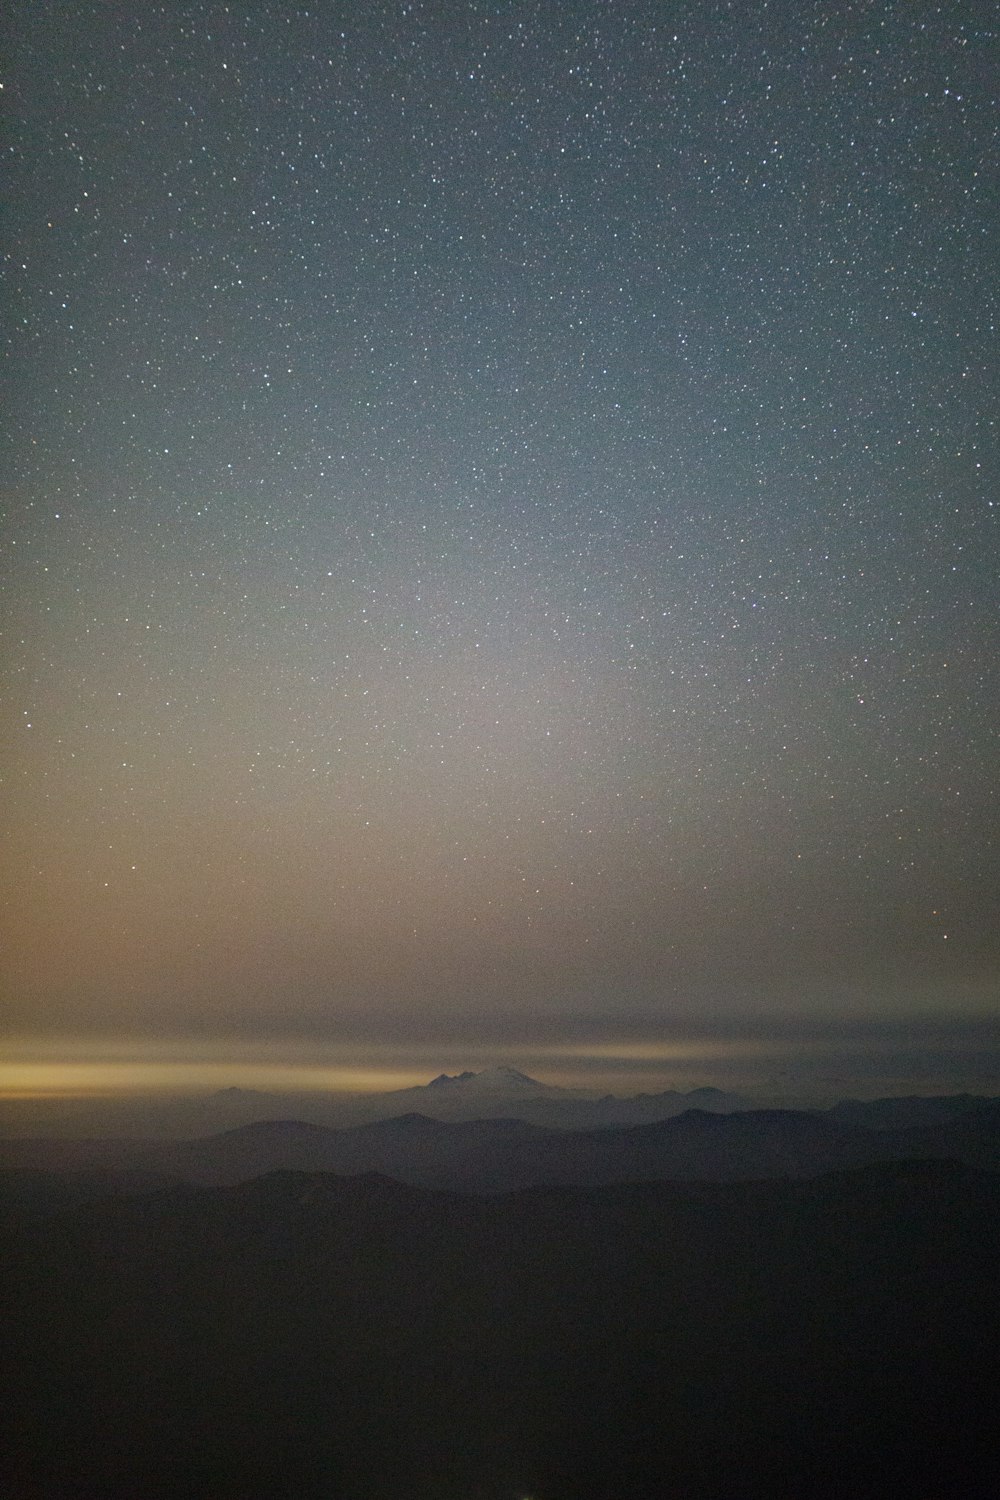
307	1335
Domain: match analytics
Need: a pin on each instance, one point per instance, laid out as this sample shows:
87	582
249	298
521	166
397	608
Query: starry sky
500	552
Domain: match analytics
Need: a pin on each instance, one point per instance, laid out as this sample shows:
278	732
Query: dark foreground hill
307	1336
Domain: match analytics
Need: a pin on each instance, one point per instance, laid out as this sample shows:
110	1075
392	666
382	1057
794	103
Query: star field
500	535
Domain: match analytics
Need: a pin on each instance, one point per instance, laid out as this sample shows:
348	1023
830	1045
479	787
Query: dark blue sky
500	545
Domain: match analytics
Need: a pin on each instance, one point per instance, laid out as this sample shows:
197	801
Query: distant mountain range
502	1092
492	1093
493	1155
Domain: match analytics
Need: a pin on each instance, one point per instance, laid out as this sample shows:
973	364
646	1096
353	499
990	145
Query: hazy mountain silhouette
490	1093
30	1193
506	1092
496	1155
480	1155
499	1155
499	1080
310	1336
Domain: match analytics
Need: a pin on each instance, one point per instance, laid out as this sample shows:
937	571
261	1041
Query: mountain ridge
498	1154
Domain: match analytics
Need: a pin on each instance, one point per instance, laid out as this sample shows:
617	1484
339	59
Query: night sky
500	547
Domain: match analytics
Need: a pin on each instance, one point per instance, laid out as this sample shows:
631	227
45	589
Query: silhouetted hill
27	1193
481	1154
311	1336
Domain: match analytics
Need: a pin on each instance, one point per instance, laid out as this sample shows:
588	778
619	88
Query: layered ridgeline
313	1336
489	1094
495	1092
492	1155
492	1093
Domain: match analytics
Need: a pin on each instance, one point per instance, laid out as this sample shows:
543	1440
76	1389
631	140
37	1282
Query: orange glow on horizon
20	1080
68	1067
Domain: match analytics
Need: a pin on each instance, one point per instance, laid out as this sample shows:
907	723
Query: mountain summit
491	1081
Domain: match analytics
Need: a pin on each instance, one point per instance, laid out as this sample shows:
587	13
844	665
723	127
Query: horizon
784	1056
809	1063
685	1070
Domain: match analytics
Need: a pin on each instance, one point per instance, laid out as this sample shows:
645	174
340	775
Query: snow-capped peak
490	1080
